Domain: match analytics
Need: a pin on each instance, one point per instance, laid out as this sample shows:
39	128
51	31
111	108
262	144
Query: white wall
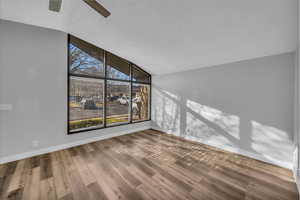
296	119
244	107
296	114
297	109
33	79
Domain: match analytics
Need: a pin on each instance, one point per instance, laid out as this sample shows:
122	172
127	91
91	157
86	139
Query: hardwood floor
145	165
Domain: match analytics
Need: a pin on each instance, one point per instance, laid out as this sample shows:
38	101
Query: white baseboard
298	182
288	165
68	145
295	163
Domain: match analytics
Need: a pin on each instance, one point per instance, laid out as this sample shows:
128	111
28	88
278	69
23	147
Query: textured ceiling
165	36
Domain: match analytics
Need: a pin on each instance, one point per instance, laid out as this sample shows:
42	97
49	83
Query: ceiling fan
55	5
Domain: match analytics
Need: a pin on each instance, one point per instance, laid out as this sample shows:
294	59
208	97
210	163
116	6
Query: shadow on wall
192	120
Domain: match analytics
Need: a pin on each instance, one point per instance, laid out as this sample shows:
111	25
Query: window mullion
130	93
105	90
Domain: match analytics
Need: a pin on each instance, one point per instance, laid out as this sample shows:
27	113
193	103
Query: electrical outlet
35	143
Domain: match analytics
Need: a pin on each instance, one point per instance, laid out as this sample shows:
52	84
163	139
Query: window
117	68
140	102
85	59
118	102
104	90
85	103
140	75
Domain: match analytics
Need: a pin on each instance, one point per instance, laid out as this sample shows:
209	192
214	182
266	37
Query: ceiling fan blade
55	5
98	7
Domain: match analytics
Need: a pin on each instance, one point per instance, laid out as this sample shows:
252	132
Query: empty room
149	100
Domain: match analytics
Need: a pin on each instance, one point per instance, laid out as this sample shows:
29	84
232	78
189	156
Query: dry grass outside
74	105
77	105
86	123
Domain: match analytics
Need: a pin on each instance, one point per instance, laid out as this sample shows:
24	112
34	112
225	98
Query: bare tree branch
79	59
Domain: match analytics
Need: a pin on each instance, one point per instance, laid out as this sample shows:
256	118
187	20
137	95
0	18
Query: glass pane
140	102
85	103
118	102
140	75
117	67
85	59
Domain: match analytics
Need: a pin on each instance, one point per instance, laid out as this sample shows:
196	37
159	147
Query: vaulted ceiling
165	36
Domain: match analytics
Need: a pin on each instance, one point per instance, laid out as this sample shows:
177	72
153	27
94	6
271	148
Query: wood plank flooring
144	165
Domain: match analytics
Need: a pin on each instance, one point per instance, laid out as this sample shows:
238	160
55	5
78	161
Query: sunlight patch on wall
176	115
272	143
229	123
166	111
199	131
170	95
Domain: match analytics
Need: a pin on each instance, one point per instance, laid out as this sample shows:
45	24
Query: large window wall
104	90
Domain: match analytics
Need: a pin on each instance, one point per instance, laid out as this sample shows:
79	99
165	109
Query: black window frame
106	78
